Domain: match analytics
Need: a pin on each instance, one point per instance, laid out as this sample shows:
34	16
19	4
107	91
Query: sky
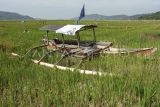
65	9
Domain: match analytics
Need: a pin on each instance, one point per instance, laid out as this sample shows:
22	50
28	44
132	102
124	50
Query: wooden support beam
78	39
94	34
63	39
47	37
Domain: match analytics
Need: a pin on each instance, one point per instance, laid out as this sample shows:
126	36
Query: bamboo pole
88	72
67	68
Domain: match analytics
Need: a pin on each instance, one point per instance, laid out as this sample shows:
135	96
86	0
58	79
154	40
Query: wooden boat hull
105	47
131	51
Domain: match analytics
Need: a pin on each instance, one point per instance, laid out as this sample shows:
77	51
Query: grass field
135	84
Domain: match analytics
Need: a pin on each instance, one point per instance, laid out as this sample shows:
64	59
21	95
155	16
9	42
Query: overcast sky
61	9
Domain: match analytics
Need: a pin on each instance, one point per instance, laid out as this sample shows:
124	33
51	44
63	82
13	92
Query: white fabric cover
69	29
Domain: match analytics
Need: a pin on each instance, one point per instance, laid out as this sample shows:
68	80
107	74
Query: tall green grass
135	84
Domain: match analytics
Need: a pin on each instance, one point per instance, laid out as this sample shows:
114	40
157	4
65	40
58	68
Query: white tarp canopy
70	29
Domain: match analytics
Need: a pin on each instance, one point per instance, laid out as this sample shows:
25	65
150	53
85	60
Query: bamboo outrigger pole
87	72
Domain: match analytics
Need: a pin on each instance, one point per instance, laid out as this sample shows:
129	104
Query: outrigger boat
76	48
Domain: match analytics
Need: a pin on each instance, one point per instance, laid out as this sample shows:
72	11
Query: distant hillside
102	17
152	16
13	16
114	17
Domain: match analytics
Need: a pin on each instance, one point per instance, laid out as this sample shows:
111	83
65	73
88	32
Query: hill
102	17
13	16
149	16
152	16
114	17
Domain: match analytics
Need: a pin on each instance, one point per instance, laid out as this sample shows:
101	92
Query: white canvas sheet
69	29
